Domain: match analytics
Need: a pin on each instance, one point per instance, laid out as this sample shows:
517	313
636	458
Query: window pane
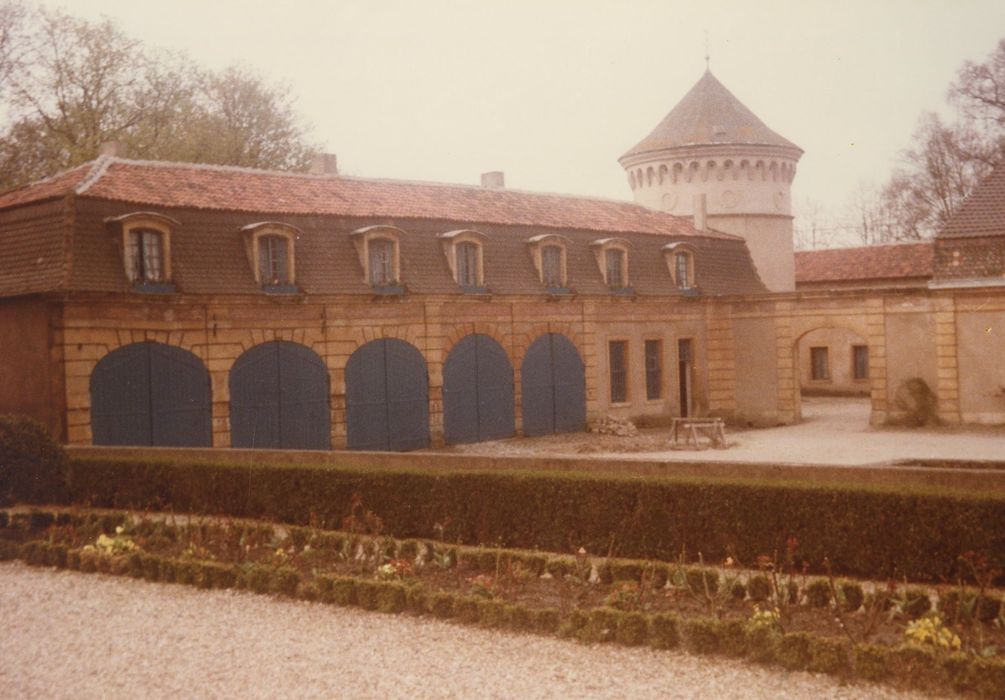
272	267
819	364
467	264
860	361
551	266
618	361
381	262
683	270
134	260
654	369
614	262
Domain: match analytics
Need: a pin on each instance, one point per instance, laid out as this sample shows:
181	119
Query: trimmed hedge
867	532
33	466
907	665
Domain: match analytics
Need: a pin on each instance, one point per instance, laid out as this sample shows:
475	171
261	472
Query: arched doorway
279	398
151	394
387	397
833	376
553	386
477	391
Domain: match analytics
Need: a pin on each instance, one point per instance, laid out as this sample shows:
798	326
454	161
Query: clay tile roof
875	262
194	186
709	114
55	186
983	212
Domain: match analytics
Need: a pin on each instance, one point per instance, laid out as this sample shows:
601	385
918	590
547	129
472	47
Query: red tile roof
163	184
983	212
875	262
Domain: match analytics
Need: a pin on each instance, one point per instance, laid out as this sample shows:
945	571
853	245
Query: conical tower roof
709	114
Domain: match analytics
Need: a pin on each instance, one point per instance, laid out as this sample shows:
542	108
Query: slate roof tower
711	158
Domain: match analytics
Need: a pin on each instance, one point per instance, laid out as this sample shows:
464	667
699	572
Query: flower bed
946	637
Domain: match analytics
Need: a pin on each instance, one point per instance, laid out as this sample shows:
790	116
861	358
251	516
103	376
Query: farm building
154	303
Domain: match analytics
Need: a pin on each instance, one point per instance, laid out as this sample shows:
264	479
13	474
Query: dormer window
612	260
145	239
615	262
380	252
680	260
549	254
145	256
463	250
378	248
272	260
271	248
552	259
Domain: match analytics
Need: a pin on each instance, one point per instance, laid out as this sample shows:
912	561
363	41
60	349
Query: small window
819	365
618	357
682	270
467	264
551	266
273	256
860	361
654	369
381	252
615	260
146	256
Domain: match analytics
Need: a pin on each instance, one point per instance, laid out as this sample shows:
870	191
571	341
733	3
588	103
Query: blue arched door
151	394
387	397
553	385
477	391
279	398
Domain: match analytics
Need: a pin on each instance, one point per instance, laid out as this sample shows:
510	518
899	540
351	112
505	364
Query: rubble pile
609	425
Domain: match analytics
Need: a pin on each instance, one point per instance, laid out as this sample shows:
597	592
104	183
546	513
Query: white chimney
114	149
324	164
494	180
699	212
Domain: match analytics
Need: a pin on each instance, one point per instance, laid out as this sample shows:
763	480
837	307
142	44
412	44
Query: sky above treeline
552	92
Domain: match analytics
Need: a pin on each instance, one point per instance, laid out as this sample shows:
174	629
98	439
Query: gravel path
66	634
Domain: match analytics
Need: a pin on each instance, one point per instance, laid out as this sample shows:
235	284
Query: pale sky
553	91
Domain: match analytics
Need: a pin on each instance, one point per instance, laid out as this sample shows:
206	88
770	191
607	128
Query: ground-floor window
860	361
618	358
654	369
819	365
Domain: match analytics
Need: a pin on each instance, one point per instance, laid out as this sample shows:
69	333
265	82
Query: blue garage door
477	392
151	394
279	398
387	397
553	384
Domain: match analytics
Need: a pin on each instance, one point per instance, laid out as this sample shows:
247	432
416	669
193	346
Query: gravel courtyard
67	634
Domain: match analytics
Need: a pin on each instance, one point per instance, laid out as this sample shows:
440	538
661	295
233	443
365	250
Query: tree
948	160
77	84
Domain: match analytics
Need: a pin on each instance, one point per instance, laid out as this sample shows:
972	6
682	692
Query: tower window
145	256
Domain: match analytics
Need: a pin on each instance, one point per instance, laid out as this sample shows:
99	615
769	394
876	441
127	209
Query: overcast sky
553	91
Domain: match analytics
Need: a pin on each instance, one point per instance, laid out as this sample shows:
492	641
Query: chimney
494	180
114	149
699	212
324	164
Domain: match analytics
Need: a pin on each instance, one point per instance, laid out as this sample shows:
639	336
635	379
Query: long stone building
157	303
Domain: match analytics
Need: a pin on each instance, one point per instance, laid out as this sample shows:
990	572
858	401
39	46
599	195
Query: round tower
711	158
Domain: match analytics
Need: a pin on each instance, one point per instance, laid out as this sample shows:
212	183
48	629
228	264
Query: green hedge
904	665
33	466
866	532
